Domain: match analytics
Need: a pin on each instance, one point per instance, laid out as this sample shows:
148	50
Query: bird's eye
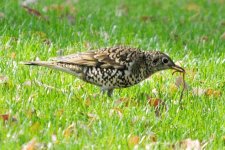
165	60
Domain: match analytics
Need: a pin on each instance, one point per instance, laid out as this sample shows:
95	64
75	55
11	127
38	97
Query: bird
112	67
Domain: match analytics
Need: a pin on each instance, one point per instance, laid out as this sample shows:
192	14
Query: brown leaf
158	105
206	92
13	55
222	23
152	137
7	117
34	12
121	101
211	92
147	18
33	145
116	111
88	102
190	144
133	140
155	102
204	38
69	131
3	79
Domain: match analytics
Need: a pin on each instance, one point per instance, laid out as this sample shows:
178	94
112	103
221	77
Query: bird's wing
116	57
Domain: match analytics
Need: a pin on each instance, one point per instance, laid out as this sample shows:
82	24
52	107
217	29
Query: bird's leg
103	90
109	91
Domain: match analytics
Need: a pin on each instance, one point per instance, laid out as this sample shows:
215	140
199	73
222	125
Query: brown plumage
110	68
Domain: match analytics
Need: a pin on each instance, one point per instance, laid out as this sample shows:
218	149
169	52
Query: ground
44	108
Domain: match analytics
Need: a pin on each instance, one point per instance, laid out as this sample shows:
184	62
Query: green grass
175	27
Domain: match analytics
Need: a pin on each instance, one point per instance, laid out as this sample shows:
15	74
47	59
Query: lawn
44	108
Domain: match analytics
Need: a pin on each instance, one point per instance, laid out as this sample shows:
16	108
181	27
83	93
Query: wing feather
116	57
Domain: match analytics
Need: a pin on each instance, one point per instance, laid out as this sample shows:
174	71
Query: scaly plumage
110	68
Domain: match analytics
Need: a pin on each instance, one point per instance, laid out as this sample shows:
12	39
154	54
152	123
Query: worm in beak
178	69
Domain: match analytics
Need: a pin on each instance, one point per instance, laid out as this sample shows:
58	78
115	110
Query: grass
75	112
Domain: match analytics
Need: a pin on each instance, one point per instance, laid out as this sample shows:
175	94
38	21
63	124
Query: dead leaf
152	137
3	79
121	101
158	105
222	23
13	55
33	145
147	18
70	131
133	140
206	92
34	12
155	102
211	92
88	102
223	36
204	38
190	144
116	111
7	117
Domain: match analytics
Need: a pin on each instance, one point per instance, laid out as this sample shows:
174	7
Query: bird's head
158	61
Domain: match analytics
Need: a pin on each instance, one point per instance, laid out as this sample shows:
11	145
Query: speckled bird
110	68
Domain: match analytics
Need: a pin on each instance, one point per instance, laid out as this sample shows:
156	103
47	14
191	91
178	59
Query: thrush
111	68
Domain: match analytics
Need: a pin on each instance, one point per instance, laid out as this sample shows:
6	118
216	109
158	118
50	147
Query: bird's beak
178	68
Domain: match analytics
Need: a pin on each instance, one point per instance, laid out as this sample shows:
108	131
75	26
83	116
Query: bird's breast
112	78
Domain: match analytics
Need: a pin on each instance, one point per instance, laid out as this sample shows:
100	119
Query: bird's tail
49	64
57	66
